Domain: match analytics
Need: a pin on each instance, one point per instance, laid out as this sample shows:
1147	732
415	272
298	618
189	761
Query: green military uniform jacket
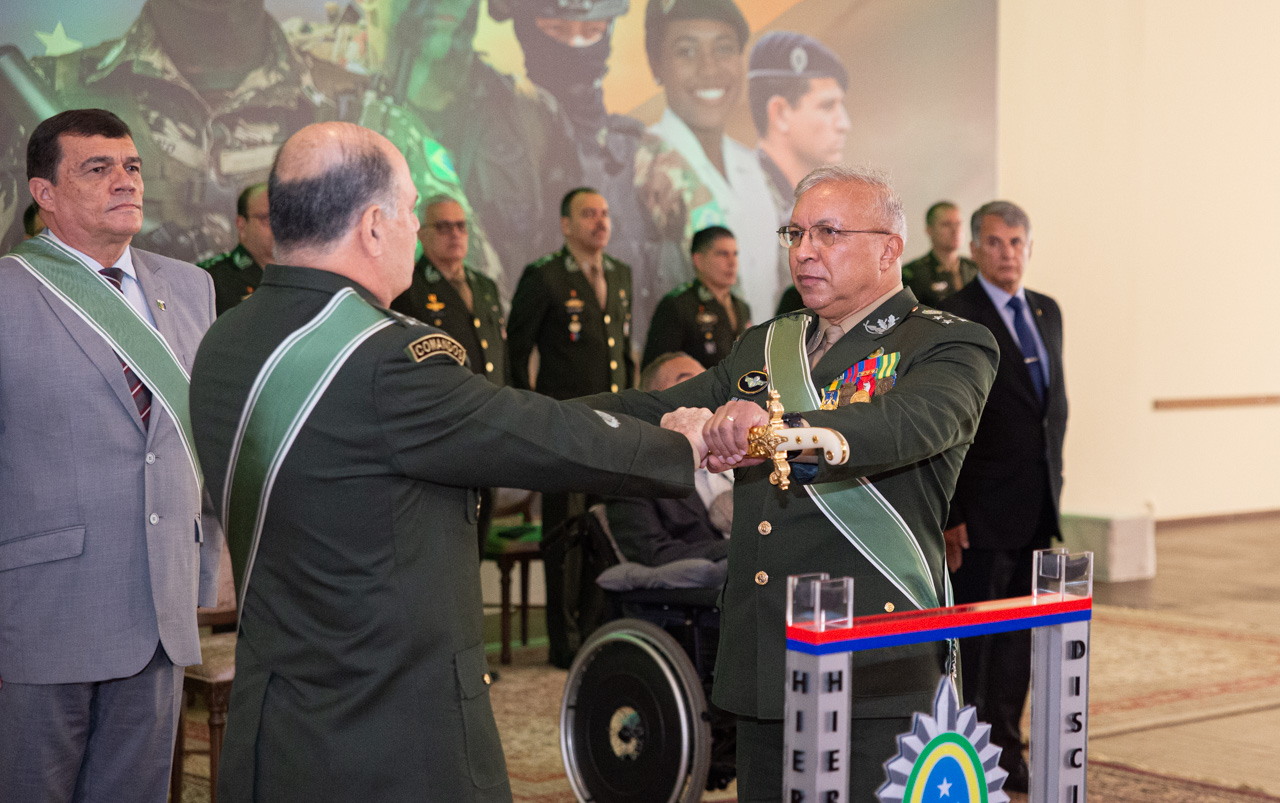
581	348
360	666
909	441
690	319
931	284
235	276
482	330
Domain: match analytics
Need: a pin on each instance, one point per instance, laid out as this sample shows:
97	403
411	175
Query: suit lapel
97	350
990	317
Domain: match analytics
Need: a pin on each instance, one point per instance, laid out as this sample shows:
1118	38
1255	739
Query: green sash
881	536
286	390
97	302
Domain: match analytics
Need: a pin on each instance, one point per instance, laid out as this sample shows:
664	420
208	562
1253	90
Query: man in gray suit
105	546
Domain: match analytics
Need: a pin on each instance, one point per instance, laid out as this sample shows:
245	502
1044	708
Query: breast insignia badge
946	756
753	382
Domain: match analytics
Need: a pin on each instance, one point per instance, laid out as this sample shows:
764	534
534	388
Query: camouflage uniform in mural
197	155
519	150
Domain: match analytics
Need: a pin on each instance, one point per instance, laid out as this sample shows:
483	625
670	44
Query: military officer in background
463	302
905	386
574	307
942	271
704	317
449	294
237	273
361	609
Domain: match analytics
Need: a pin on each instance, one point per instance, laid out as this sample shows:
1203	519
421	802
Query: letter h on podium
817	694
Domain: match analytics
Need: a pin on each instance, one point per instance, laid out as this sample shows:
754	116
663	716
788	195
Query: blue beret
785	54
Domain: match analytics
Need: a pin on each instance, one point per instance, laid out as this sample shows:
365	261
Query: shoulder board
436	343
679	289
938	316
213	260
402	319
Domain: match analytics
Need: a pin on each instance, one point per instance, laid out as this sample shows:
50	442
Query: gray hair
1009	212
888	205
439	198
317	211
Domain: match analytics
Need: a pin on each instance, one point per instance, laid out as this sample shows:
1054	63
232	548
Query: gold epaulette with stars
938	316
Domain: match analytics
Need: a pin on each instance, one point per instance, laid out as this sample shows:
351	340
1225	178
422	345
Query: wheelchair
635	724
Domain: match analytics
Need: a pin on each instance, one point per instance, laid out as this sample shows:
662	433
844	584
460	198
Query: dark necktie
141	396
1027	342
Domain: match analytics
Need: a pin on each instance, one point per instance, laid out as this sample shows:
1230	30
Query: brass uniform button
476	322
613	388
607	319
765	528
888	607
488	367
613	365
610	342
487	679
484	344
762	578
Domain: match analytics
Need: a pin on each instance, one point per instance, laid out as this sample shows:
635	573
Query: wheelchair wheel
634	726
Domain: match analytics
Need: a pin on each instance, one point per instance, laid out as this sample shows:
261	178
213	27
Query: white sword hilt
775	439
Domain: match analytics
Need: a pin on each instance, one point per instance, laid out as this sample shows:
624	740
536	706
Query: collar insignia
881	326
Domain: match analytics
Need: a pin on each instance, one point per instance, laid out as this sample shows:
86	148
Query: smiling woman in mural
695	50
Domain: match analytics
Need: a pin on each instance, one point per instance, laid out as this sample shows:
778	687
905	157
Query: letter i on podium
1060	681
817	693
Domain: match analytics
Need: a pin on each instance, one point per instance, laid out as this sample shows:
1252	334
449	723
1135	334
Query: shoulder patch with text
431	345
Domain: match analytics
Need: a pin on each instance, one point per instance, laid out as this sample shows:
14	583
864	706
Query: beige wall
1143	138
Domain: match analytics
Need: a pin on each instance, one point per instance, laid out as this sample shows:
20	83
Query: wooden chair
508	546
212	679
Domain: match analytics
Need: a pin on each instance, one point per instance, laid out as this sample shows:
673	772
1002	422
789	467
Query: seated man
653	532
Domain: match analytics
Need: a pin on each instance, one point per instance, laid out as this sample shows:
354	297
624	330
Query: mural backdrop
684	113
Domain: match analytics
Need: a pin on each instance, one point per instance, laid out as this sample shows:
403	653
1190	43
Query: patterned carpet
1149	669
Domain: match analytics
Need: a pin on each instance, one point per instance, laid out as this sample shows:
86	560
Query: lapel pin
160	303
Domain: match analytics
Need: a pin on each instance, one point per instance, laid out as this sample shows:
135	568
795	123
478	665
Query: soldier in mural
796	88
695	49
520	145
207	120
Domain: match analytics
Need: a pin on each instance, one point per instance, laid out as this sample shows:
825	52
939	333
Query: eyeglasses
824	236
443	226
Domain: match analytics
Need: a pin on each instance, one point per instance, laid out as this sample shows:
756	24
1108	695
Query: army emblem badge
753	382
947	756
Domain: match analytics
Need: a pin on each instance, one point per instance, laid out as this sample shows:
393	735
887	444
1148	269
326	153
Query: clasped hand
719	439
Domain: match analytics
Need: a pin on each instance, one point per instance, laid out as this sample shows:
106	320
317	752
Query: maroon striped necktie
141	396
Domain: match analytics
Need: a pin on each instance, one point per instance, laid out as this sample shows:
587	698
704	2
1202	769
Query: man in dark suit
574	307
106	543
360	667
905	385
657	531
1006	500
